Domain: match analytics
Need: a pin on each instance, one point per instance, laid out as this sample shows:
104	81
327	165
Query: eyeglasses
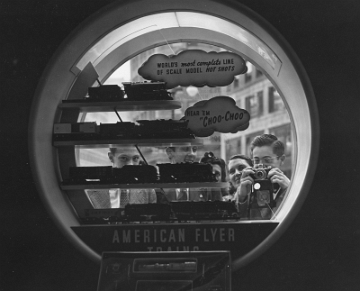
266	160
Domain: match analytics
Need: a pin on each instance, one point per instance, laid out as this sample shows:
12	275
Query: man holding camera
262	188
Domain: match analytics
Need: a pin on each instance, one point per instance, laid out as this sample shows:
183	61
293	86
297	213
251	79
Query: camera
261	172
262	188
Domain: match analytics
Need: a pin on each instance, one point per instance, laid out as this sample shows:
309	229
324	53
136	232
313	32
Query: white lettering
231	234
162	239
137	236
126	236
181	235
172	236
222	234
146	235
213	232
205	238
197	234
116	237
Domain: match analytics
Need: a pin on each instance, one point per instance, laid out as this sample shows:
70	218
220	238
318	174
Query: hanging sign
216	114
193	68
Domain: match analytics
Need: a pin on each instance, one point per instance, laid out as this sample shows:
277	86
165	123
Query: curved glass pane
251	91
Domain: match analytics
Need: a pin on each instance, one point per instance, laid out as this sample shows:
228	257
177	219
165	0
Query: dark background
321	248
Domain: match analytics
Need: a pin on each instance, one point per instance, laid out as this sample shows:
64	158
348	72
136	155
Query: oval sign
193	68
216	114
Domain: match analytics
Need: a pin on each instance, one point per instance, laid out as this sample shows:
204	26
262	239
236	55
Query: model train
135	174
133	91
143	129
129	174
178	211
186	172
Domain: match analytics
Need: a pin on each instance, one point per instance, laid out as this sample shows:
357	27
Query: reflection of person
118	198
186	154
182	154
219	169
267	150
236	165
125	156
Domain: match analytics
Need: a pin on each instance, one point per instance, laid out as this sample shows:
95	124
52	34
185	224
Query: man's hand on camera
244	188
277	176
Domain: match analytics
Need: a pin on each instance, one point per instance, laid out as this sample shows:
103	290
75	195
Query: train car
129	174
162	128
133	174
186	172
90	175
75	131
136	212
204	210
105	93
117	130
143	91
103	216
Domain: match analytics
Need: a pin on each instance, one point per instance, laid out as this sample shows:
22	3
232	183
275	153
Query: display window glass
251	97
109	50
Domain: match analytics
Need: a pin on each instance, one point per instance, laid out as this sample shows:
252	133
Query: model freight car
164	129
186	172
204	210
143	91
105	93
76	131
117	130
103	216
81	175
129	174
134	212
132	174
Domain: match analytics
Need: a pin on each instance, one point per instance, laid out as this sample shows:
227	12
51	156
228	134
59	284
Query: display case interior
149	119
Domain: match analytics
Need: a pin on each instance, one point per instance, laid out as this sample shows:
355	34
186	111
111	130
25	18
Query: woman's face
236	167
217	172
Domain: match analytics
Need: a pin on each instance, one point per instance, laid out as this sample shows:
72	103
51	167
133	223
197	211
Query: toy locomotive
133	91
123	130
129	174
186	172
204	210
137	174
174	211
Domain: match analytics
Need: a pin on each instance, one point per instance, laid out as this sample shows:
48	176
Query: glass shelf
86	106
120	143
144	186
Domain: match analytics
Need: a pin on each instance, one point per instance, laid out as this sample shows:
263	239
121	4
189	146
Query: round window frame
58	79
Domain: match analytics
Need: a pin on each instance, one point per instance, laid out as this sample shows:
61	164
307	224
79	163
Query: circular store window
109	48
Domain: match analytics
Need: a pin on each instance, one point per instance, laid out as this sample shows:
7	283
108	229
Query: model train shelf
141	174
178	211
143	129
133	91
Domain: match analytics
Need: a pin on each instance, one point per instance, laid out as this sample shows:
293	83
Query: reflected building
255	93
